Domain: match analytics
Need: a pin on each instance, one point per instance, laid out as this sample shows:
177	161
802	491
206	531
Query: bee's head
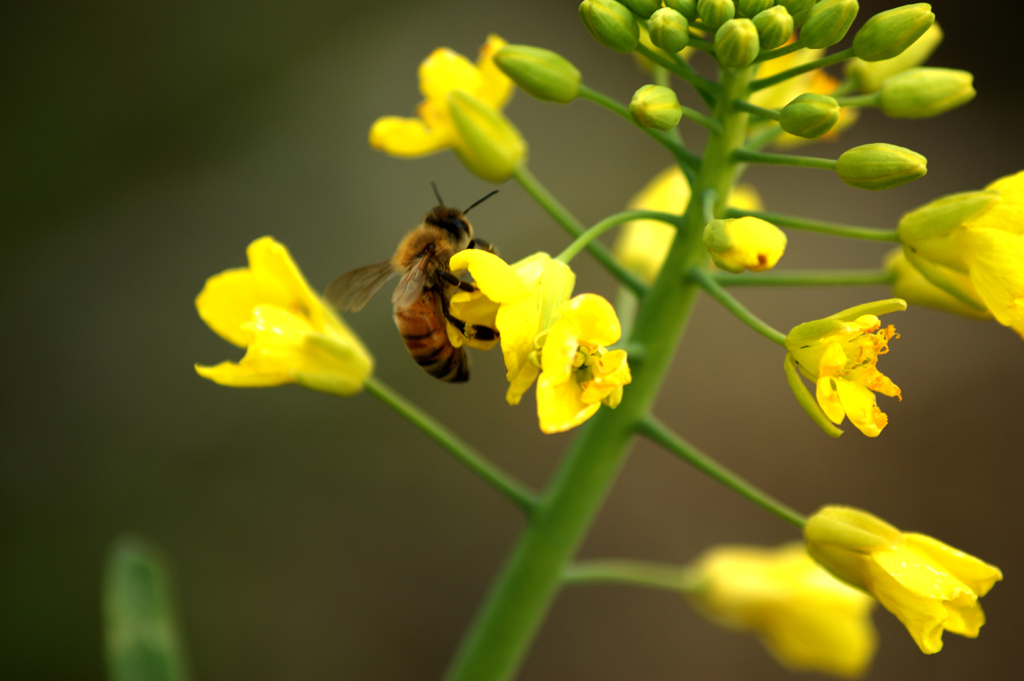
454	224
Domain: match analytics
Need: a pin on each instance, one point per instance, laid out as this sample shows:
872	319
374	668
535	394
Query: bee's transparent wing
410	288
352	290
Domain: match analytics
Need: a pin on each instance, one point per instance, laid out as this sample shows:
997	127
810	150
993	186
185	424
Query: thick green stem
660	433
524	591
676	578
833	228
466	455
576	229
708	283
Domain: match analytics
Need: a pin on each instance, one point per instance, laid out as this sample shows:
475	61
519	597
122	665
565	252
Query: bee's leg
482	245
471	331
451	279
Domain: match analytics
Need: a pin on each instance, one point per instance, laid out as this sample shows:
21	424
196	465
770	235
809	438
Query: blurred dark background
314	537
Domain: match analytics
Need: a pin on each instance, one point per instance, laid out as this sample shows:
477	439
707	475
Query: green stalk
870	99
833	228
683	70
803	68
583	240
785	159
779	52
771	114
806	278
676	578
466	455
576	229
707	282
660	433
501	635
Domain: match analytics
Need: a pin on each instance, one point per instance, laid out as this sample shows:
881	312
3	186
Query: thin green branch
682	154
607	223
699	43
747	156
742	105
762	139
869	99
466	455
706	282
779	51
832	228
676	578
681	69
575	228
659	433
806	278
762	83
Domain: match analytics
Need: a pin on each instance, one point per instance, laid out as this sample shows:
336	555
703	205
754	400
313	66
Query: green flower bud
880	166
688	8
889	33
750	8
925	91
542	73
611	24
655	106
810	115
937	218
870	75
642	8
827	22
737	43
714	13
669	29
489	145
774	25
796	6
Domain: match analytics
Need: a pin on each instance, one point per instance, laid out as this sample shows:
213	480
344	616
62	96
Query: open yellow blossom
461	110
930	586
807	619
840	353
578	375
290	335
971	245
643	245
779	95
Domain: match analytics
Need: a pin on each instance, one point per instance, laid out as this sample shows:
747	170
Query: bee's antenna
440	201
480	201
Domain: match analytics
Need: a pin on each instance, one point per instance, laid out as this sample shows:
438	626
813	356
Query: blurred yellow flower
461	110
807	619
912	286
290	335
972	246
840	353
870	75
642	245
930	586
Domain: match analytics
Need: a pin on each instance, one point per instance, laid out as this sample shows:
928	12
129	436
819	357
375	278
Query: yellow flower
971	245
930	586
807	619
840	354
289	334
779	95
578	375
643	245
746	243
913	287
545	334
461	110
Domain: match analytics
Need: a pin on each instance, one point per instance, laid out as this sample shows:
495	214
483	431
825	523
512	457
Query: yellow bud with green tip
688	8
669	30
937	218
925	91
751	8
714	13
810	115
746	243
869	76
612	24
542	73
880	166
912	285
794	7
656	106
642	8
489	145
737	43
889	33
774	26
827	22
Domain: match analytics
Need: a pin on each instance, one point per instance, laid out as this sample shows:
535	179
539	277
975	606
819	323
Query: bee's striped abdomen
423	329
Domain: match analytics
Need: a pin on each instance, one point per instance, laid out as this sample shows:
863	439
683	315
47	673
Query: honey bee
421	298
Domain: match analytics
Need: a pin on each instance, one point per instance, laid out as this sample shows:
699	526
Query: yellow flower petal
446	70
610	372
495	278
226	303
495	87
996	263
559	405
594	319
409	137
